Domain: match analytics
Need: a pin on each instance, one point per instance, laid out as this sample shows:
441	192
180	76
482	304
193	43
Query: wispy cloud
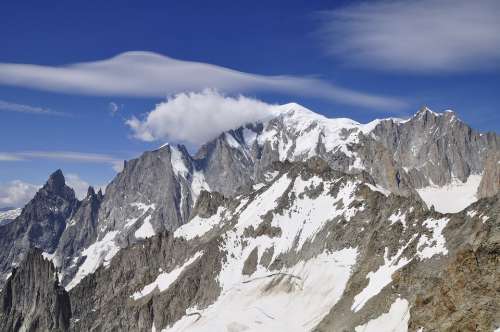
146	74
20	108
5	156
116	163
417	36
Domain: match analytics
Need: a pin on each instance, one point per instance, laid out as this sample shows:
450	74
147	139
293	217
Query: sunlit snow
146	230
453	197
396	320
306	296
380	278
96	254
165	279
436	243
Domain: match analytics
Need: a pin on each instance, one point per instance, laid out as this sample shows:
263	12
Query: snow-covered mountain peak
448	114
299	117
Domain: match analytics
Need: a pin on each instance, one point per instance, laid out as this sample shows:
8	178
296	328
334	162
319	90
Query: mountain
339	224
40	224
310	249
32	298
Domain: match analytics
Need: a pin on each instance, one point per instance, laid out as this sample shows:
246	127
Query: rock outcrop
41	223
32	299
490	182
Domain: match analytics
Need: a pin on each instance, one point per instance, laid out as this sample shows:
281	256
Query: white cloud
146	74
16	193
418	36
20	108
5	156
80	186
117	164
196	118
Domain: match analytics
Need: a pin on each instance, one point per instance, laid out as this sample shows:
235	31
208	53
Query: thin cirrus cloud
147	74
117	164
424	36
21	108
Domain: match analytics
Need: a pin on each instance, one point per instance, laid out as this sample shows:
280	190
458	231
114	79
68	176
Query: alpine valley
295	223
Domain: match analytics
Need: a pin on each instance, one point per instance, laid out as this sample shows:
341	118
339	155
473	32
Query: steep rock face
40	224
153	193
80	232
490	182
435	148
226	167
32	299
112	298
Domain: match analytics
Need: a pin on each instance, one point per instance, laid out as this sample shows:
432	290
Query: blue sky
339	58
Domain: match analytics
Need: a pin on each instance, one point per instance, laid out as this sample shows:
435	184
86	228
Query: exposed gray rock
80	232
40	224
490	182
436	147
208	203
250	265
32	299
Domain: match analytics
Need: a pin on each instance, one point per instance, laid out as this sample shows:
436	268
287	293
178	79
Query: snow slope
307	292
453	197
396	320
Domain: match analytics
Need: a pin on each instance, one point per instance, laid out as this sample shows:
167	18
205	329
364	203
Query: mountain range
298	222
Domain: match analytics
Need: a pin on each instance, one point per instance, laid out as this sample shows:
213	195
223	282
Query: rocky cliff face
40	224
490	182
32	299
435	148
81	231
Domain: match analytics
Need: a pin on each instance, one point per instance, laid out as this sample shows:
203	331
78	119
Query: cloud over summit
197	117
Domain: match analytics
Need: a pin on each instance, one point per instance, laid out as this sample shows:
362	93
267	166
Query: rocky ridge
168	191
157	191
260	262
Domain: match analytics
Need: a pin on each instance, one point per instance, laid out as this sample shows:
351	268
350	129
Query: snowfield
306	296
454	197
396	320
